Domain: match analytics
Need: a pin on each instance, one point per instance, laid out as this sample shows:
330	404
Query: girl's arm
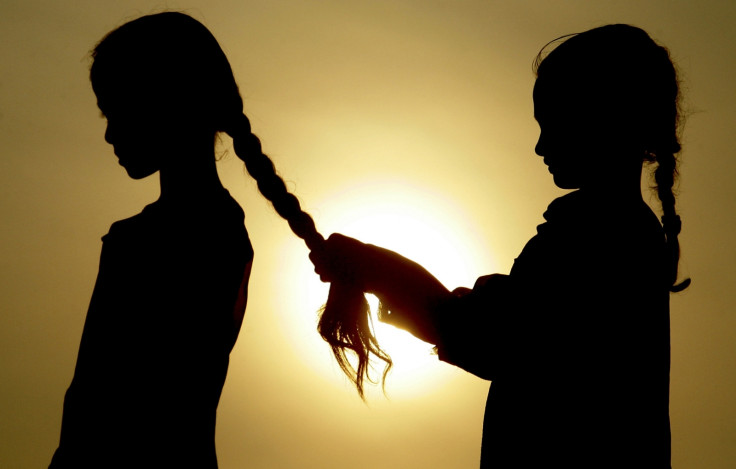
414	297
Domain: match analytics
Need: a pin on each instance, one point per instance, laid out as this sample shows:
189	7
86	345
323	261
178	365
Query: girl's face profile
562	137
575	140
136	130
132	141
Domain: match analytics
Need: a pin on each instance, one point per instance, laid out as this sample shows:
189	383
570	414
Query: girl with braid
172	285
575	339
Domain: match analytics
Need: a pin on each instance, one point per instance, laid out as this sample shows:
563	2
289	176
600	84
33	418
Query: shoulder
182	227
127	227
601	217
585	232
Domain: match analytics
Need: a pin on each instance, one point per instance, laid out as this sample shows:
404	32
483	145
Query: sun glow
424	227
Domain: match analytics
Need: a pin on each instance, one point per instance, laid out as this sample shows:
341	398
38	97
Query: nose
539	148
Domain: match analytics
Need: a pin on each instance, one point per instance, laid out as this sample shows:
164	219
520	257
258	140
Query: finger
461	291
337	237
315	258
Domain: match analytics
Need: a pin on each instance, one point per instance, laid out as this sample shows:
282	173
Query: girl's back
164	316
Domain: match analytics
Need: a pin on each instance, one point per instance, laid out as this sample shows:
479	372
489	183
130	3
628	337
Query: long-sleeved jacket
575	342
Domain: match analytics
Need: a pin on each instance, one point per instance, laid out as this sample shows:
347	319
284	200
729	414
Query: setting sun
425	227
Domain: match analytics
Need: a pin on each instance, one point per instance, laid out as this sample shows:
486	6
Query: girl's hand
343	259
412	294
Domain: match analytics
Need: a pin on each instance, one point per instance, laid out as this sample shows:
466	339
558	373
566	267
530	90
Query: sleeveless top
164	315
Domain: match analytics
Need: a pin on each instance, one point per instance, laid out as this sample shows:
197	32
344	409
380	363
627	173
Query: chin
564	183
137	173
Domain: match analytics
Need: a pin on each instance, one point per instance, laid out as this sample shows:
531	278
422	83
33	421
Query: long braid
185	65
637	75
665	145
248	148
345	321
665	176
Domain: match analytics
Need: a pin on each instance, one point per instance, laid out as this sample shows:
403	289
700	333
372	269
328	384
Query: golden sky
404	123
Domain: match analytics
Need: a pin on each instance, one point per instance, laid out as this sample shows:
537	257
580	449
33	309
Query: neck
190	172
621	182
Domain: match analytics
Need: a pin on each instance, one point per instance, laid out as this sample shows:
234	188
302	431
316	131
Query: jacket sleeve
475	327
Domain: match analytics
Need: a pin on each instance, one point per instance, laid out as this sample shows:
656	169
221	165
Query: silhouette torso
575	341
165	313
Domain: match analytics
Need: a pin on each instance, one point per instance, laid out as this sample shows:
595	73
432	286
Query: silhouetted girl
576	338
172	286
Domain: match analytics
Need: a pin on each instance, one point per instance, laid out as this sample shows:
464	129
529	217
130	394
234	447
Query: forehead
548	96
116	95
565	96
123	88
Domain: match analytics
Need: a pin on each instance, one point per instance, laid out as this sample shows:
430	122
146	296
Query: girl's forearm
414	297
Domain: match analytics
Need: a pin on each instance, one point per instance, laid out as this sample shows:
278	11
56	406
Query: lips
116	150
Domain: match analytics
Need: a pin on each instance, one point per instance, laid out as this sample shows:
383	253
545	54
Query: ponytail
345	322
